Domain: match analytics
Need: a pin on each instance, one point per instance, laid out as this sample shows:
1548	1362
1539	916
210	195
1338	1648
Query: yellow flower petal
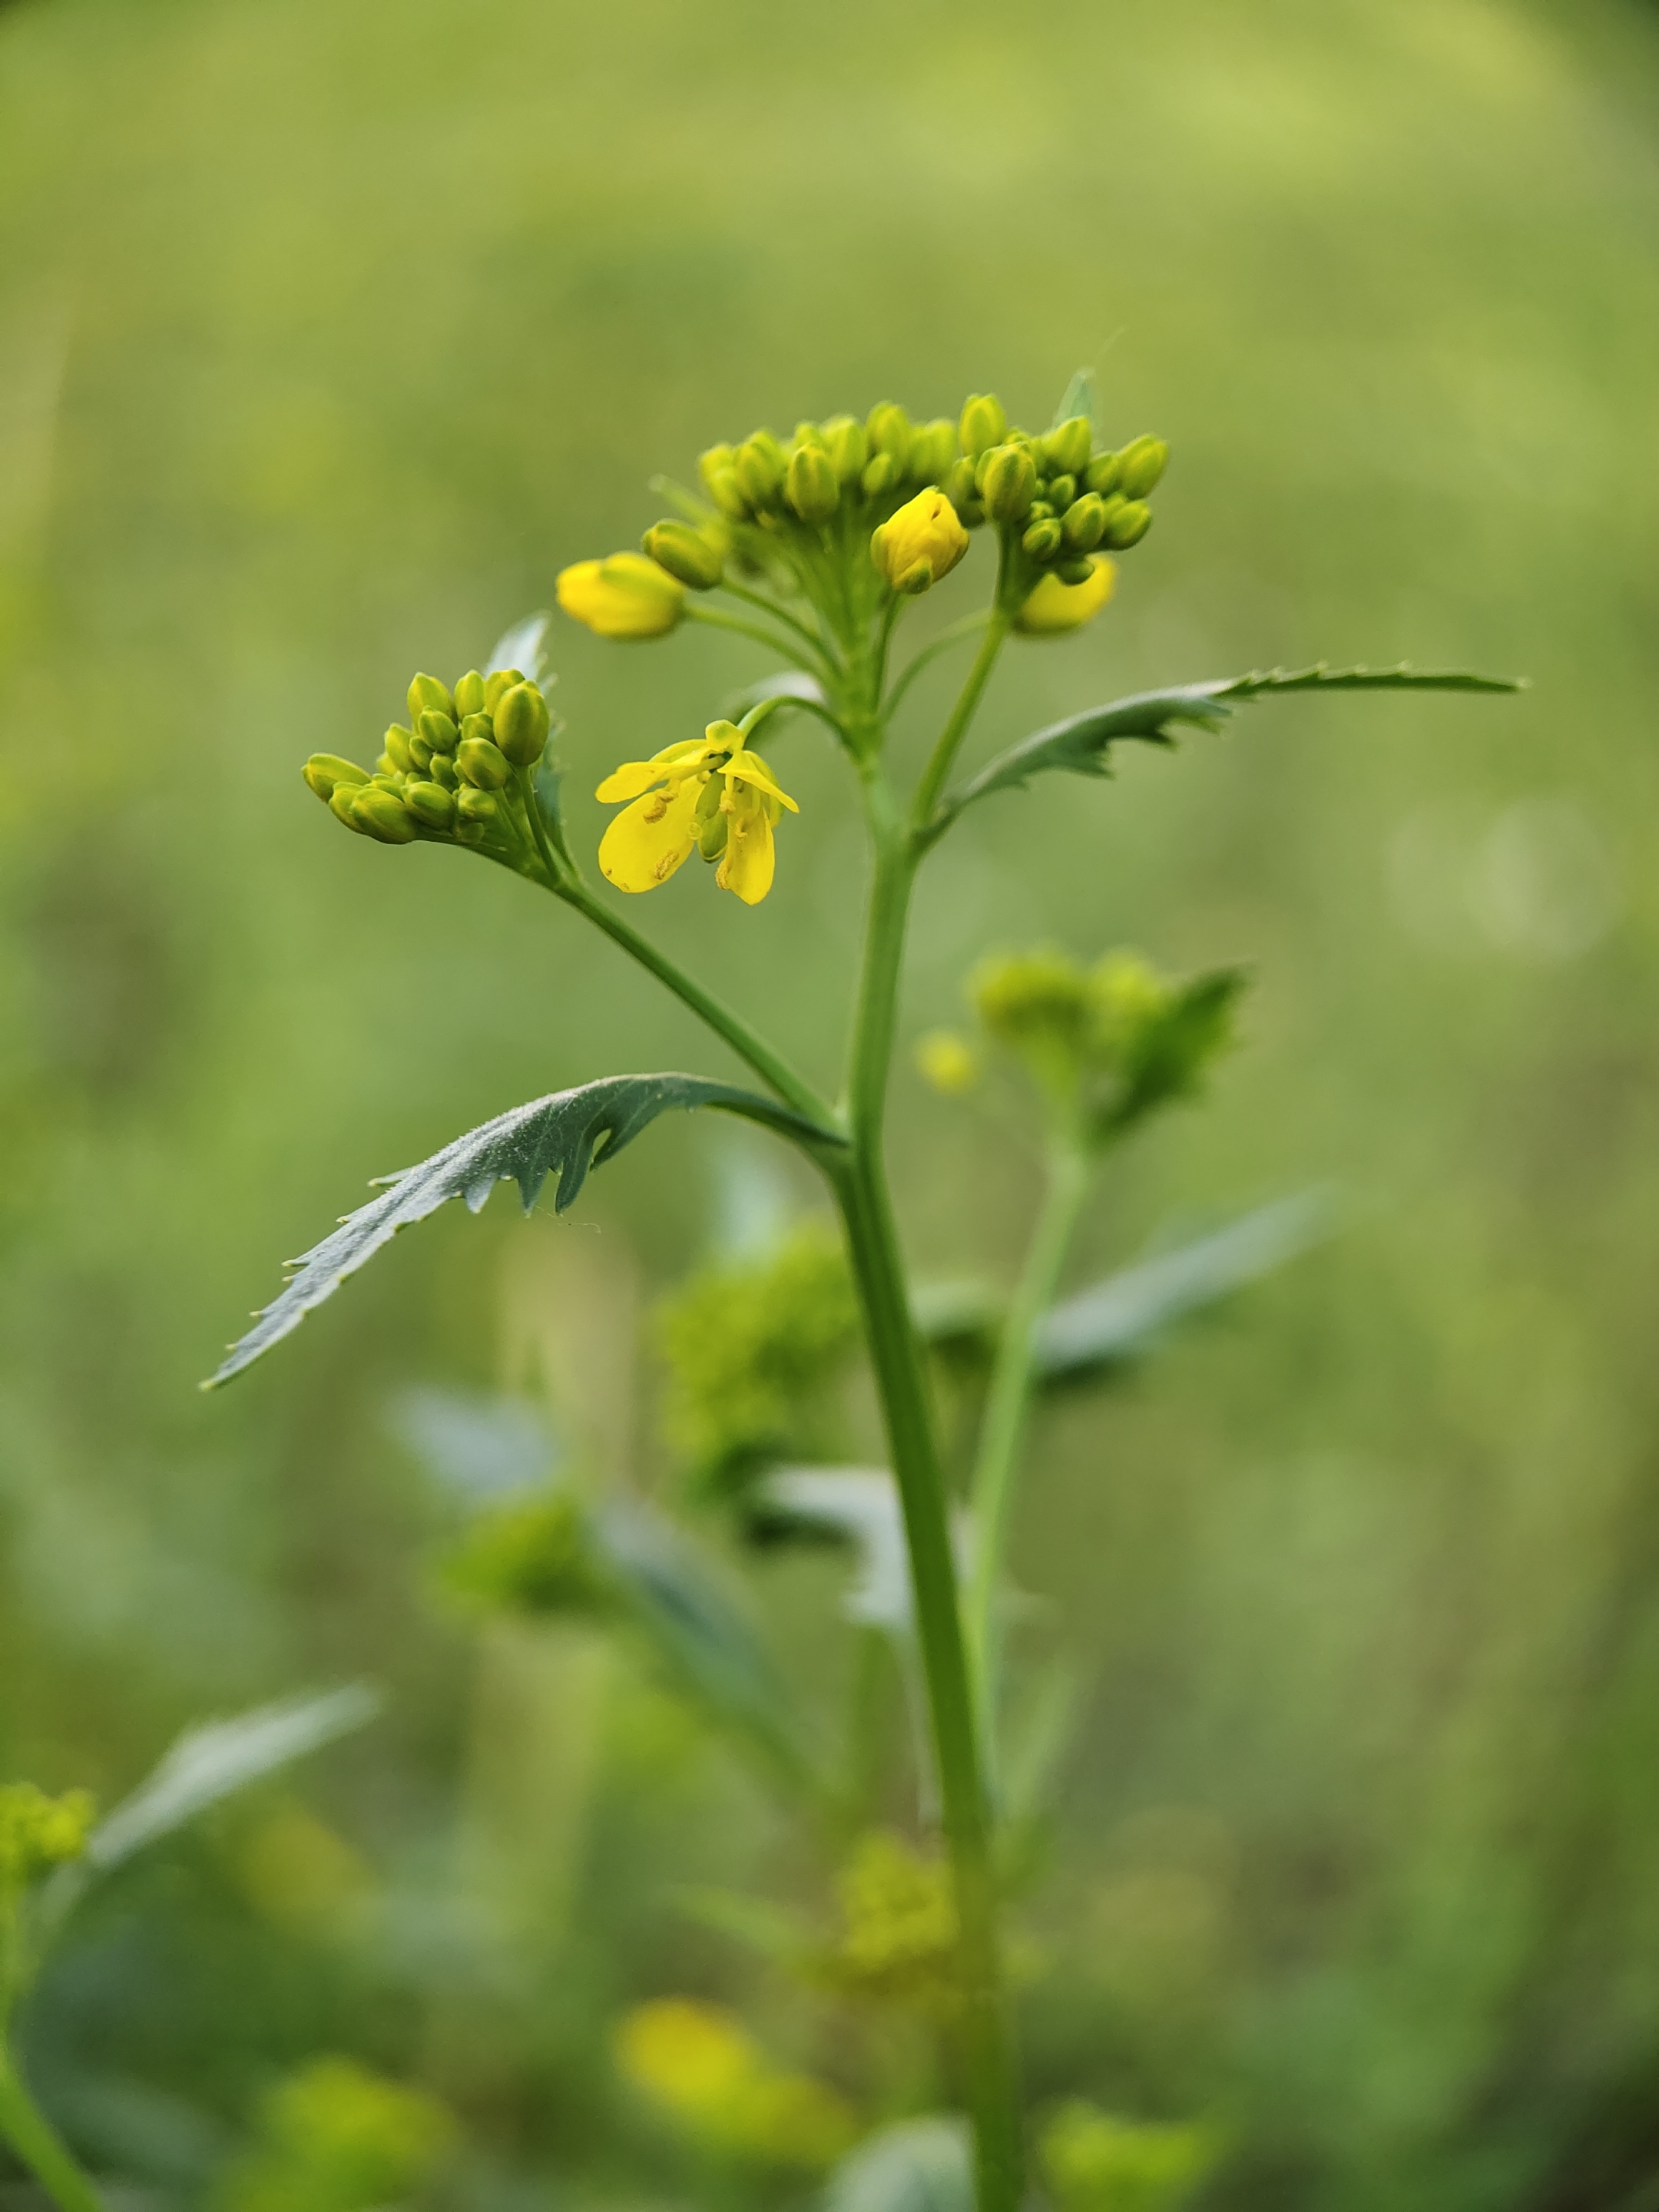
1054	608
628	781
649	840
750	856
748	768
625	596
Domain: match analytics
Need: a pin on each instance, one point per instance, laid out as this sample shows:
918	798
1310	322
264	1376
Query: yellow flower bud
383	815
1056	607
1102	473
932	452
881	473
727	494
1059	492
922	541
625	597
711	463
847	446
499	680
811	488
947	1061
1128	526
1141	463
758	468
440	732
340	804
1085	523
475	807
521	726
483	764
1042	539
686	553
888	428
1007	477
426	691
430	804
1065	448
397	746
984	422
442	770
470	694
327	773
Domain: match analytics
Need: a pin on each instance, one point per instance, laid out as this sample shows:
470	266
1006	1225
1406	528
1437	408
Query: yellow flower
624	597
920	544
1054	608
711	793
946	1062
702	2065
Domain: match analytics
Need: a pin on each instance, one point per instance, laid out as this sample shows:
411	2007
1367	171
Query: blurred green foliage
327	334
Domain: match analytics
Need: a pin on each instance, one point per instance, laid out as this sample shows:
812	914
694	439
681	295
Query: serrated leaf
704	1641
1122	1315
1078	398
1082	744
563	1135
211	1762
522	648
917	2165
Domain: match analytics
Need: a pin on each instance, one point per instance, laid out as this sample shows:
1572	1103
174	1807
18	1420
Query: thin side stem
1003	1427
37	2142
778	614
787	646
928	791
730	1027
929	653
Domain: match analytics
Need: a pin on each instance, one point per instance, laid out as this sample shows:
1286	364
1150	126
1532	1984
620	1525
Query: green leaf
1123	1316
860	1505
771	1931
563	1135
1166	1057
1083	743
916	2165
1078	398
522	648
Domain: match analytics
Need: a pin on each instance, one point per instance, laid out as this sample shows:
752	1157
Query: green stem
777	613
33	2136
932	786
861	1183
785	645
725	1024
1003	1426
942	643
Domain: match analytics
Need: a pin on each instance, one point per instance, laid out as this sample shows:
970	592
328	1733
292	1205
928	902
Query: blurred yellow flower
1054	608
920	544
947	1061
625	596
701	2065
711	793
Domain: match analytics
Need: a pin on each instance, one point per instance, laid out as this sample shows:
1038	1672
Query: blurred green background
328	333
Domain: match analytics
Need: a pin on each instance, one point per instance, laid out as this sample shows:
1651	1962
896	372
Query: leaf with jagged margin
563	1135
1083	743
704	1641
1122	1315
914	2165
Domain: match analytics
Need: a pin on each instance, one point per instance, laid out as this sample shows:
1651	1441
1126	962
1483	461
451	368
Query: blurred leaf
705	1643
770	1930
918	2166
211	1762
861	1505
958	1315
1078	398
478	1447
523	647
1164	1060
563	1135
1037	1741
1121	1315
1082	742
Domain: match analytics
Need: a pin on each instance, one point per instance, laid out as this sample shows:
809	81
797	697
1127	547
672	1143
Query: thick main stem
860	1181
1006	1405
36	2142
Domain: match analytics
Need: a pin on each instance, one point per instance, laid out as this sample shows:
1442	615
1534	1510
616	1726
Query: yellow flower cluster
711	794
38	1832
701	2065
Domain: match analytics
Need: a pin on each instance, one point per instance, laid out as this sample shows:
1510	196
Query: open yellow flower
625	596
710	792
1054	608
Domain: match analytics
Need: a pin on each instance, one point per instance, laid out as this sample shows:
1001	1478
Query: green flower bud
326	772
1007	483
475	807
1039	511
888	428
397	746
386	771
880	475
686	553
984	421
383	815
481	725
426	692
806	434
811	487
727	493
1041	539
1102	473
1075	571
713	463
1142	461
440	732
1085	523
932	451
441	770
1066	447
848	447
421	753
430	805
501	679
521	725
340	801
1128	526
759	470
1059	492
958	486
483	764
470	694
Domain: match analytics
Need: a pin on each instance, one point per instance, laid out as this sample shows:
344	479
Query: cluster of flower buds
827	469
38	1832
447	774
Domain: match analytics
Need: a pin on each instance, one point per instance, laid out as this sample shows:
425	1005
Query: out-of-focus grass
327	333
